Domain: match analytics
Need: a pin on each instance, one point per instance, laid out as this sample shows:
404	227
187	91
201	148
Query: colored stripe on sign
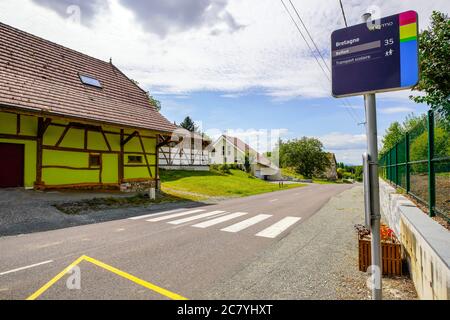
409	63
409	49
408	31
408	17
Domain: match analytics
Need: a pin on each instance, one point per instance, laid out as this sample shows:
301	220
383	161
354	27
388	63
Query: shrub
224	168
340	173
214	167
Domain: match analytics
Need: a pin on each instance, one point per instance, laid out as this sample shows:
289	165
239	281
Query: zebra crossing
223	220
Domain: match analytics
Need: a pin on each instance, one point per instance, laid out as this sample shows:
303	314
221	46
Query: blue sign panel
379	59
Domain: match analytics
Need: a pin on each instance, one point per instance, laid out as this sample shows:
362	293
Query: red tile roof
40	76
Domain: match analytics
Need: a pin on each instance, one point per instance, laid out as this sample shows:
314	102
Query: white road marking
276	229
213	222
42	246
176	215
156	214
26	267
273	200
246	223
197	217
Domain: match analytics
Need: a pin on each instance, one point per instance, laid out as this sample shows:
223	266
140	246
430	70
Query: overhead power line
352	113
304	38
343	13
310	37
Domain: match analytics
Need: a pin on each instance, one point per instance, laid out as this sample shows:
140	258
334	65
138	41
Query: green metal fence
420	164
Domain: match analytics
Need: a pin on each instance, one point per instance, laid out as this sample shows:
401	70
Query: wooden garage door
11	165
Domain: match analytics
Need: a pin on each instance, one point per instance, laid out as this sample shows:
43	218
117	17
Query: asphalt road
183	253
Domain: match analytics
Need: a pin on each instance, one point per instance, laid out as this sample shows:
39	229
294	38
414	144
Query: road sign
379	59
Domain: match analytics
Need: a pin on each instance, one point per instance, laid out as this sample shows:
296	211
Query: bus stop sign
377	57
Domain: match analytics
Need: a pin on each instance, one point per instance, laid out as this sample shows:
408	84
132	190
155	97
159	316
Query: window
223	150
90	81
134	159
94	160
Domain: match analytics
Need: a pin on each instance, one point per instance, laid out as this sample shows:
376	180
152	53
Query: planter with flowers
391	250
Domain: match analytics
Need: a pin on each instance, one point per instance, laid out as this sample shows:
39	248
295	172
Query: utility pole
372	150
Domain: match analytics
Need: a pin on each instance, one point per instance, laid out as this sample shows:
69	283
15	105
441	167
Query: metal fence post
407	159
388	165
431	176
396	165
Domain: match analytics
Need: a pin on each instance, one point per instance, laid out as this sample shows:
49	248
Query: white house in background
185	151
231	150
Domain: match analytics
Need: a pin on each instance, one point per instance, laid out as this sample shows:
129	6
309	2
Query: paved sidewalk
318	260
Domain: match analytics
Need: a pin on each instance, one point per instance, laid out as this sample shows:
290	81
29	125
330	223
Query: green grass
201	185
290	172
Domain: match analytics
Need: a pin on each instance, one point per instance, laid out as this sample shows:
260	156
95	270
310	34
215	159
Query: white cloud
392	110
267	55
343	141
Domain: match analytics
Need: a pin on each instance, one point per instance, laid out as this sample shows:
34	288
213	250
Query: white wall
231	153
426	243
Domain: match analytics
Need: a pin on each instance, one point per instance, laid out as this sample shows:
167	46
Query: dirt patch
99	204
419	188
394	288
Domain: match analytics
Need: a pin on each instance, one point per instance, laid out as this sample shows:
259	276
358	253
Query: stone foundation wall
138	186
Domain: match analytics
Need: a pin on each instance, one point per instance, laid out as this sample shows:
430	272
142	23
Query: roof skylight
90	81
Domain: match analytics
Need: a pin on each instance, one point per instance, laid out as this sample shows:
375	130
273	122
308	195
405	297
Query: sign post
366	59
374	204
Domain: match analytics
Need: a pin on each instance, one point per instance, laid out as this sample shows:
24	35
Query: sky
234	66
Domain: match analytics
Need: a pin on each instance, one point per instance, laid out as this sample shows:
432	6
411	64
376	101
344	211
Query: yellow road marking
134	279
45	287
109	268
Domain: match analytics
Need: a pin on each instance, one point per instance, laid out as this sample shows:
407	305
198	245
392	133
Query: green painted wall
55	177
110	173
8	123
28	127
74	139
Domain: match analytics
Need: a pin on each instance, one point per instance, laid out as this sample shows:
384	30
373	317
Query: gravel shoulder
317	260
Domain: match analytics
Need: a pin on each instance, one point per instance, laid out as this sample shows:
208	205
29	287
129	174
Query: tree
412	121
393	134
154	102
434	50
247	164
189	124
306	156
359	173
397	131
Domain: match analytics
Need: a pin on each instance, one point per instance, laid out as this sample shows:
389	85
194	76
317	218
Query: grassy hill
197	185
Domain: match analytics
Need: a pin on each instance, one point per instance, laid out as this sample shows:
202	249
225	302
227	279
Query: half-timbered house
185	151
68	120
